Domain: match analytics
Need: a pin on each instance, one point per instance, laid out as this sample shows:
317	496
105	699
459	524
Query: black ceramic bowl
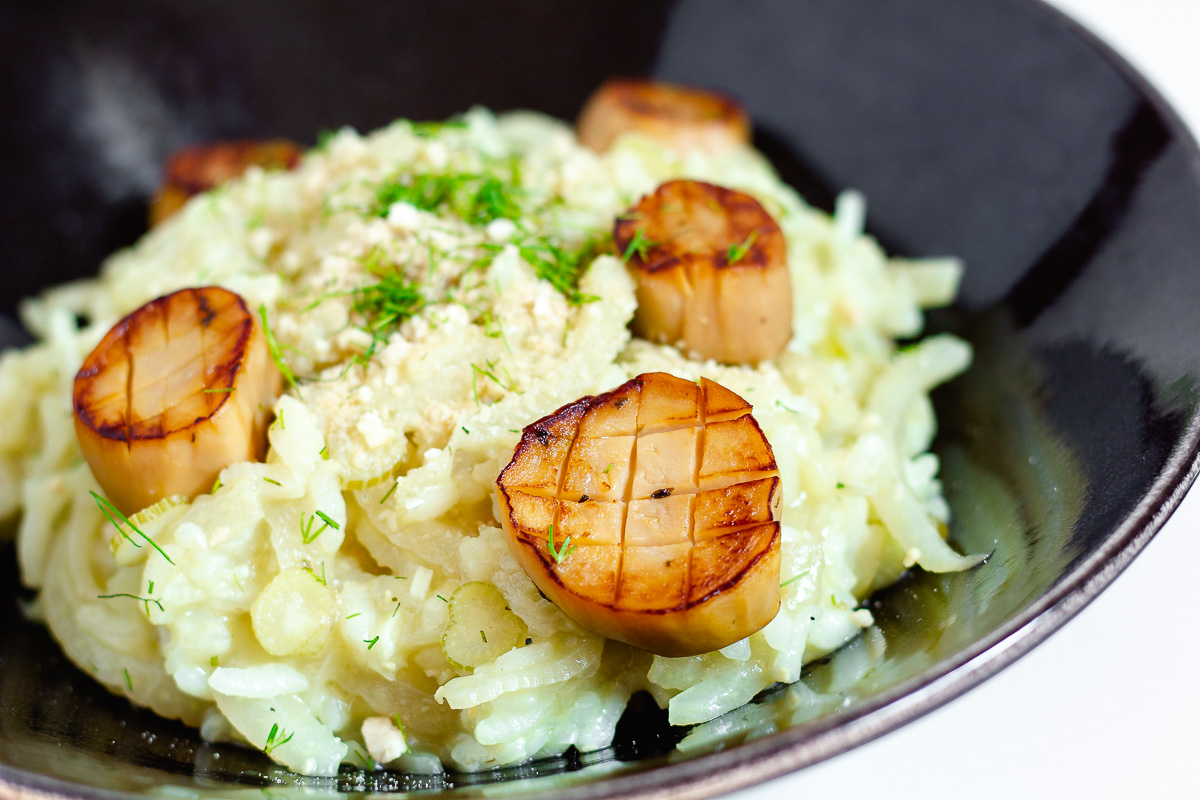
994	130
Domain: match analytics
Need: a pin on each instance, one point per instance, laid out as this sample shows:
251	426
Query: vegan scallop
174	392
711	270
199	168
650	514
677	116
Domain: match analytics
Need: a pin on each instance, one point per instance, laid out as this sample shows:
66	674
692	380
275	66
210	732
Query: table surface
1108	706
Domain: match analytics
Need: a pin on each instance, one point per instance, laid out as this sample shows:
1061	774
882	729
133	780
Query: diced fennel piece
294	614
482	627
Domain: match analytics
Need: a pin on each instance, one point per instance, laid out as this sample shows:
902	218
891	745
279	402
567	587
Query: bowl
997	131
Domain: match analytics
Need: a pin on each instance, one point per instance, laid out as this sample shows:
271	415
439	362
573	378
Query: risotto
304	605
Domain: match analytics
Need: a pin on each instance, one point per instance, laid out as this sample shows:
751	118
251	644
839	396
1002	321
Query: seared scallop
199	168
678	116
711	270
650	514
175	392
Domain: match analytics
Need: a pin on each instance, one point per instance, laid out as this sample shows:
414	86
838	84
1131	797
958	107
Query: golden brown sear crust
678	116
711	270
199	168
173	393
622	514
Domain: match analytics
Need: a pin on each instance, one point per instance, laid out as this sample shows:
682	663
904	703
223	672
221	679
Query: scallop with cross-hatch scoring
175	392
711	270
650	514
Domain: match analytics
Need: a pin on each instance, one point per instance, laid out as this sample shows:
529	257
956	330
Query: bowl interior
996	132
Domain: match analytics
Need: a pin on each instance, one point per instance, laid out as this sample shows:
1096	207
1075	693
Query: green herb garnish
144	600
563	550
795	578
370	642
476	198
108	509
737	252
276	739
427	129
321	579
275	351
639	245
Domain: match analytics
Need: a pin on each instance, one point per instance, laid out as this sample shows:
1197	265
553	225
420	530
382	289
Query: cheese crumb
862	618
385	742
373	431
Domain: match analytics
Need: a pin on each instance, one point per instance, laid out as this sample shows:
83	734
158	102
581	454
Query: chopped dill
383	499
272	481
560	267
324	453
464	430
738	251
325	518
276	739
214	661
324	137
483	636
439	597
426	129
786	408
306	528
276	352
388	302
216	485
841	485
476	198
108	509
219	391
319	579
144	600
795	578
355	614
608	468
370	642
489	371
128	680
639	245
563	551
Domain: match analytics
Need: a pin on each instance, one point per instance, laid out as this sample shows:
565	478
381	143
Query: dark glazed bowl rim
789	750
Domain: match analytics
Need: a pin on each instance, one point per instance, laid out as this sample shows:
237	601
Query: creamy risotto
301	605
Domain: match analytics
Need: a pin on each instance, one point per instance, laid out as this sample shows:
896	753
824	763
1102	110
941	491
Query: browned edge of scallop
681	116
225	373
198	168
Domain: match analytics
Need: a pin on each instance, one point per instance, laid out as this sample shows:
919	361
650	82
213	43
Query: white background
1109	706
